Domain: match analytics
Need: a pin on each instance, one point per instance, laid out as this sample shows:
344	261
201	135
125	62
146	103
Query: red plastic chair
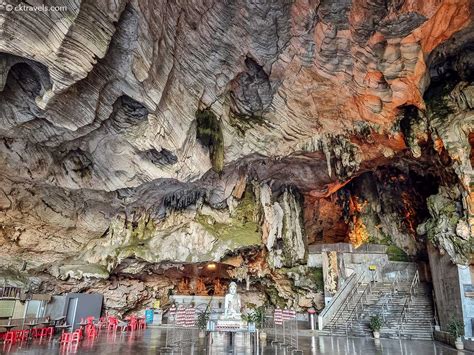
113	324
10	337
50	331
65	338
70	338
133	324
102	323
43	332
76	336
91	331
141	323
21	335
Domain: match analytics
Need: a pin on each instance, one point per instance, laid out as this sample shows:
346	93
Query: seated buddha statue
183	287
232	304
219	289
201	288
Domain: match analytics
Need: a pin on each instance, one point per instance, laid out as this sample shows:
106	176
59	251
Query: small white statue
232	303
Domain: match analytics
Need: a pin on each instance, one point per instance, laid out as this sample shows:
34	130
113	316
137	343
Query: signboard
149	316
251	327
468	291
6	308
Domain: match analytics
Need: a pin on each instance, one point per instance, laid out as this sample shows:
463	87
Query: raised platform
216	302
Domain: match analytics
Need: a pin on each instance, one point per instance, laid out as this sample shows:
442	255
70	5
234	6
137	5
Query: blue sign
149	316
251	327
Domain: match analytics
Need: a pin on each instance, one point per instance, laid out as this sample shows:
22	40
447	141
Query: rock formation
141	134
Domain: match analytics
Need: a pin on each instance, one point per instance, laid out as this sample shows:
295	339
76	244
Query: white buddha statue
232	304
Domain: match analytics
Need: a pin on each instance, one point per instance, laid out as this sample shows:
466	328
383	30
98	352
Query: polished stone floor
151	341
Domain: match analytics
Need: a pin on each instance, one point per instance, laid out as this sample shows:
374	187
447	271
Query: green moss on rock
437	98
275	297
209	133
318	277
396	254
242	229
242	123
142	229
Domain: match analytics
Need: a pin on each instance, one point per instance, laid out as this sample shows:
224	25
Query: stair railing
333	307
398	278
345	306
358	306
387	299
408	300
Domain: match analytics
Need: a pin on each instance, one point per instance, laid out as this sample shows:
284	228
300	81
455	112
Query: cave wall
134	134
448	283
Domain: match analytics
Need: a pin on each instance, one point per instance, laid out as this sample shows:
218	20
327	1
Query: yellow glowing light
211	266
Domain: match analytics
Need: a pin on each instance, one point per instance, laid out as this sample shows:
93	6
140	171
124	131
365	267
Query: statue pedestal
229	325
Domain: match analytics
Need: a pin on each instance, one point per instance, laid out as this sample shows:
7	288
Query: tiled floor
151	341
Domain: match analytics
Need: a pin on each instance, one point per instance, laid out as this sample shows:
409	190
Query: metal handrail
365	293
340	312
343	306
406	305
339	293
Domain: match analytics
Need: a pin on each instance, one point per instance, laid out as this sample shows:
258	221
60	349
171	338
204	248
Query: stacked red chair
112	324
22	335
70	338
42	332
102	322
91	331
65	338
133	323
141	323
14	336
10	337
76	336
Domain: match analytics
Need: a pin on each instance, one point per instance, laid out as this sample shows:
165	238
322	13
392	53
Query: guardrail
333	307
10	292
359	306
406	305
340	313
348	248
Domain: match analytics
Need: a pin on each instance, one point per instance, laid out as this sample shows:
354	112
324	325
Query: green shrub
375	323
257	316
456	328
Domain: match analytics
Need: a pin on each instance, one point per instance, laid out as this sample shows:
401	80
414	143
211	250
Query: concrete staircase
391	301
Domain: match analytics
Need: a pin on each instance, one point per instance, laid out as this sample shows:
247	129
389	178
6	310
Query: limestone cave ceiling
149	131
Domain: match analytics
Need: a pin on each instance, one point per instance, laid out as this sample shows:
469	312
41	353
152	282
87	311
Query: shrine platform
200	302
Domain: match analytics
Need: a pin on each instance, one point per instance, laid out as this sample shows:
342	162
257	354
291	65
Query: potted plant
260	321
202	320
375	325
456	329
257	316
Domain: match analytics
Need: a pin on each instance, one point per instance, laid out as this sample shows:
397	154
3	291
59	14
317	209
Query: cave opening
360	209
